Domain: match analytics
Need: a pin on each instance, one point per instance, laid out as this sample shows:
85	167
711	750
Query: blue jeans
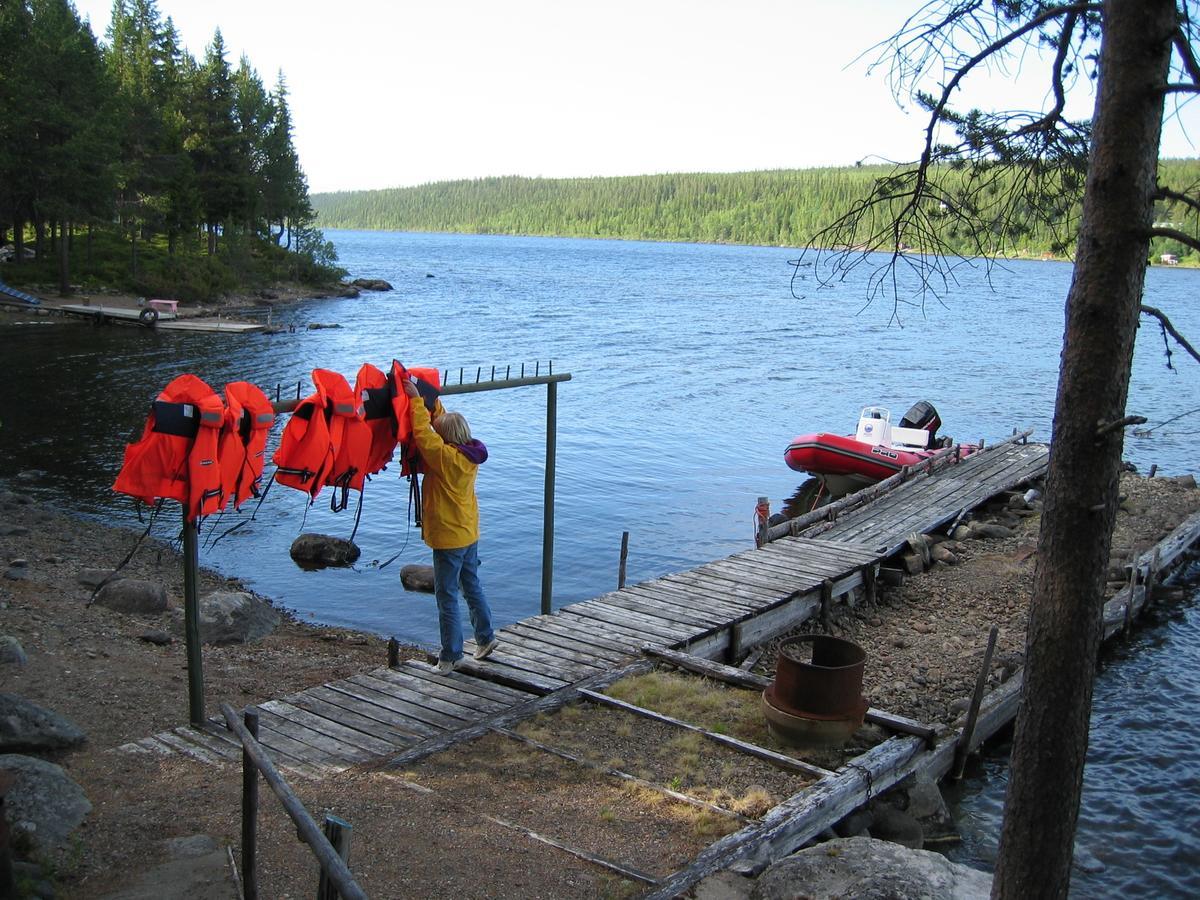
453	569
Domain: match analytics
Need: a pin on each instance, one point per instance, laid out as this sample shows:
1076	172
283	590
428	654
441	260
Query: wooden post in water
191	620
250	813
624	557
548	497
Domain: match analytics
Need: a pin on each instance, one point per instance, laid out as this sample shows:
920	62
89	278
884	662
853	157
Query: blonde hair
453	428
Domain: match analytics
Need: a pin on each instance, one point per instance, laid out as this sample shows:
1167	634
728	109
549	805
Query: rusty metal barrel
816	697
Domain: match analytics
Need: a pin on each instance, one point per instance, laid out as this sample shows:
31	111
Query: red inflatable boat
877	450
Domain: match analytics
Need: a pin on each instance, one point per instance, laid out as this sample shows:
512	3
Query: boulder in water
317	551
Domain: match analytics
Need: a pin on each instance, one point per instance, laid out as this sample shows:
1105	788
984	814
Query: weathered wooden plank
558	633
403	686
184	745
650	605
516	672
468	684
652	628
544	658
710	600
599	656
303	742
408	703
752	595
587	636
221	743
342	712
435	684
376	706
512	716
614	631
343	734
288	749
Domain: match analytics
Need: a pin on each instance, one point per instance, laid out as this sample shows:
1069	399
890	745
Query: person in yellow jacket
450	525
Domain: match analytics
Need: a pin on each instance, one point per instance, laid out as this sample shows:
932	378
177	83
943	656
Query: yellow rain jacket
449	508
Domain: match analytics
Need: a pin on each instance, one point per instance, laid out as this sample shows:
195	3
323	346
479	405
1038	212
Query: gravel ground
457	824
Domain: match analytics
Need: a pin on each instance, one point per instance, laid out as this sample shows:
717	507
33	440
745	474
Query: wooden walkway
715	610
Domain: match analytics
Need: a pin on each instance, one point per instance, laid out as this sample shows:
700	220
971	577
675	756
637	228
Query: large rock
867	869
416	577
235	617
133	595
371	284
26	726
11	651
43	805
321	550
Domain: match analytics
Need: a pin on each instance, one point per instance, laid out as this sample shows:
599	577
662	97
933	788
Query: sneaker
446	666
483	651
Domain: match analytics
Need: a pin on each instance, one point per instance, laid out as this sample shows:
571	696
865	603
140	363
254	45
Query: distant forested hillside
773	208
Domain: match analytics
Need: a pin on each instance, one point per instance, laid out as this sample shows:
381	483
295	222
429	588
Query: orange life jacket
305	453
176	457
374	392
429	383
248	419
349	435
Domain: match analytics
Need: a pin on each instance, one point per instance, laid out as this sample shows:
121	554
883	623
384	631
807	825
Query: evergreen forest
767	208
130	163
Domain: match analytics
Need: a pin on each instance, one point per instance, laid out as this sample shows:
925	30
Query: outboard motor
922	415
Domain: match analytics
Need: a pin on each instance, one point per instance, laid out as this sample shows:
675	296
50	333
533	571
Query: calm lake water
692	366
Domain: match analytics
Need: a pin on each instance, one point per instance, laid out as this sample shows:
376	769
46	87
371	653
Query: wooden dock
715	611
162	321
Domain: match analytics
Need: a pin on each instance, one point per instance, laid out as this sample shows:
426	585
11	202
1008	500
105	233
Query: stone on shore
43	805
321	550
26	726
11	651
133	595
236	617
868	869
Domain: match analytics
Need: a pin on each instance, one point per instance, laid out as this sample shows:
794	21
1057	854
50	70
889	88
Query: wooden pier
715	611
691	620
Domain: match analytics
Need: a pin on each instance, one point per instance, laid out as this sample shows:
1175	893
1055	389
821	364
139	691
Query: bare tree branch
1188	200
1170	329
1176	235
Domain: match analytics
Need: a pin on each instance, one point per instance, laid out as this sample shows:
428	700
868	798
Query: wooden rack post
191	620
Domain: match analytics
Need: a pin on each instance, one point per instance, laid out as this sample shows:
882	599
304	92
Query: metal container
816	697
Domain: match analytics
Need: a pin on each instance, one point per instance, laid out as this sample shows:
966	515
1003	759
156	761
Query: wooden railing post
338	832
250	813
191	619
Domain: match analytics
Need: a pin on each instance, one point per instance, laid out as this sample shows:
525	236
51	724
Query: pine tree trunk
1065	622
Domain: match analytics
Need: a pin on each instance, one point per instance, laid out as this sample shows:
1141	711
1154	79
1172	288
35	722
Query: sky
393	93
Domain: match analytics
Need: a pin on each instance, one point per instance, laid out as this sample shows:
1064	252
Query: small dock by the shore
147	317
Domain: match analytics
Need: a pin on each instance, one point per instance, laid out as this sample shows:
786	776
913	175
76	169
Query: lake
692	366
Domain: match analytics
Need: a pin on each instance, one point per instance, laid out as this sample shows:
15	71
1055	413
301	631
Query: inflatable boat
877	450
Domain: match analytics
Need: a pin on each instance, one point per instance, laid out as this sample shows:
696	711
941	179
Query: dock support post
548	498
624	557
191	620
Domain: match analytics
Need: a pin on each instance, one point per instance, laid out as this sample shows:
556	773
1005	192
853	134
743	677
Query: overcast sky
388	93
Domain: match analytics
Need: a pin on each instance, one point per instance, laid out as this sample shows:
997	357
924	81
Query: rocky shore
110	668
